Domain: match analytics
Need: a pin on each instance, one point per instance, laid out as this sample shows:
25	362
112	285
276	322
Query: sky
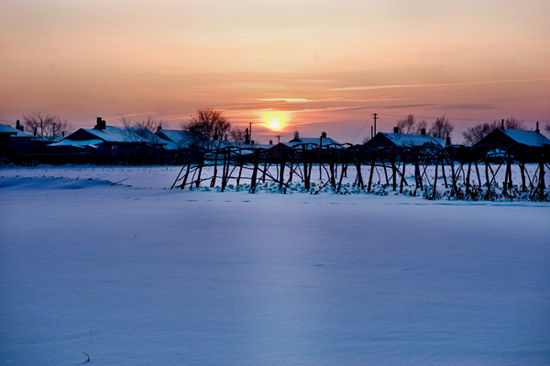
312	65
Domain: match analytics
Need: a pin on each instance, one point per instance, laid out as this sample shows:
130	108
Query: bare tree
47	126
512	123
474	134
441	127
237	135
406	125
422	125
140	130
208	127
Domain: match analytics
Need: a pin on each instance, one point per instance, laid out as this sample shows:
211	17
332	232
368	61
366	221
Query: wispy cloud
316	81
391	86
296	100
467	106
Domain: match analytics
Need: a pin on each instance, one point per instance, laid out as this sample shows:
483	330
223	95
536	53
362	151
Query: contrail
373	87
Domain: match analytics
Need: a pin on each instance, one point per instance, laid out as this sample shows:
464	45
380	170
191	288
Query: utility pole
250	132
375	117
278	138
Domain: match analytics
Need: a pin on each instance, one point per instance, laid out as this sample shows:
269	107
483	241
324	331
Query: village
387	154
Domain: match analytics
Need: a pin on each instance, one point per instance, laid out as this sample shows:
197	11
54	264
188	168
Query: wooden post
394	170
454	178
290	173
522	170
359	179
254	172
185	176
443	172
478	175
372	167
178	177
331	168
417	175
402	177
435	181
341	177
468	179
200	172
307	174
542	183
213	182
282	174
385	172
505	188
225	168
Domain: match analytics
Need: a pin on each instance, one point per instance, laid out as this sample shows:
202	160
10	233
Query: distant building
504	139
16	145
109	145
525	146
179	139
403	140
317	142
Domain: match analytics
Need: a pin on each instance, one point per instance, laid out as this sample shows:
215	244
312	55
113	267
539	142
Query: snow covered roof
182	139
73	143
117	134
92	137
408	140
318	141
529	138
14	132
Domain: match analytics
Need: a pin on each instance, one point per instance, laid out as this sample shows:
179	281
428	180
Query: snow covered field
143	275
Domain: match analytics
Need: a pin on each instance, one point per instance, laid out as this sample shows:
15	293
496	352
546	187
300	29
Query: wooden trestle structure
477	168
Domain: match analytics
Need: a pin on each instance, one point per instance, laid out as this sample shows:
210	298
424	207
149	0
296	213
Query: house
109	145
300	147
16	145
526	146
403	146
404	140
504	139
315	142
178	139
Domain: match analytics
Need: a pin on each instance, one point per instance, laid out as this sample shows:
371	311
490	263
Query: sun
275	120
274	124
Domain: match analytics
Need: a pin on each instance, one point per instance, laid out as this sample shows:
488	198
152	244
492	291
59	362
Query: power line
361	129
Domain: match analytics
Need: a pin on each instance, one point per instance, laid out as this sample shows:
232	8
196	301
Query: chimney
502	125
448	140
396	130
100	124
62	133
296	135
18	125
271	142
537	130
323	135
423	131
35	131
246	137
159	127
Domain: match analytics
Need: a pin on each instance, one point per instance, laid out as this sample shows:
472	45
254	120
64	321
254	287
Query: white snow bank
136	276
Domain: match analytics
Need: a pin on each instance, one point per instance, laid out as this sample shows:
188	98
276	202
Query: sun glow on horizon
274	124
275	120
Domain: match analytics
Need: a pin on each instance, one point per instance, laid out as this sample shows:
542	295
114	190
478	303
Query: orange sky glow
307	65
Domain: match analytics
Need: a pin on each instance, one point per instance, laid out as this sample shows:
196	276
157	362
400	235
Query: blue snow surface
148	276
